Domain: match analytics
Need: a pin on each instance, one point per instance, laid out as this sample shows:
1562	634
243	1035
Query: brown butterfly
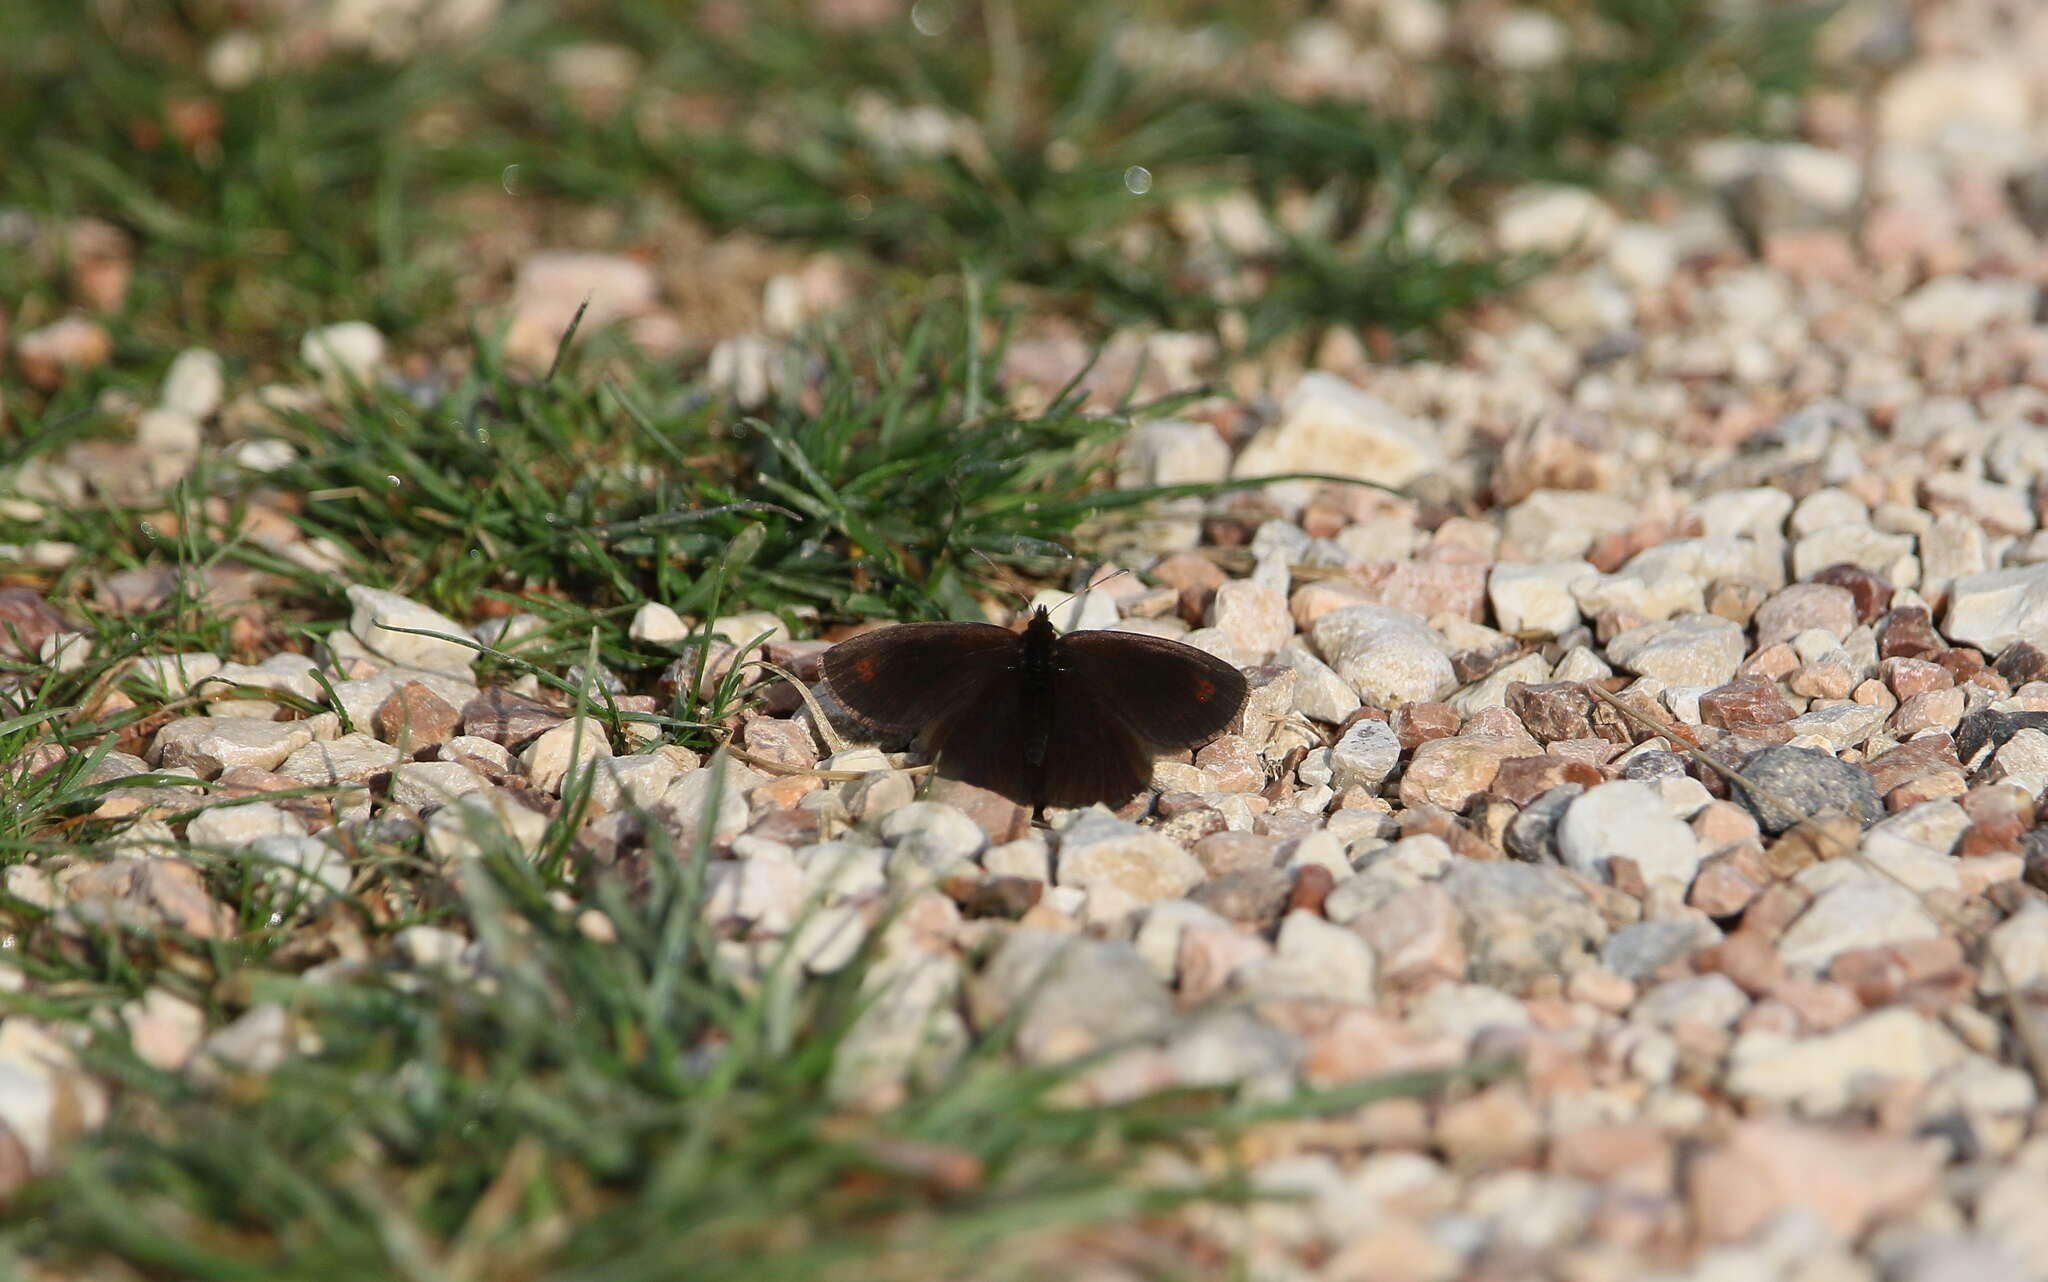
1042	718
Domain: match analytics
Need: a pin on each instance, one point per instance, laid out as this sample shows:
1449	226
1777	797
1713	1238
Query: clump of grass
903	484
898	491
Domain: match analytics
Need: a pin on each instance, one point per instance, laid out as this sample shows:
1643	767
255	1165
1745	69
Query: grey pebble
1811	782
1522	921
1532	835
1639	951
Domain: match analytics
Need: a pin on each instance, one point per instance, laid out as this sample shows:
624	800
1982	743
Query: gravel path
1683	738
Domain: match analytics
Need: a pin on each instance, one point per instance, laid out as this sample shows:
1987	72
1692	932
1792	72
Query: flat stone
1387	871
209	745
907	1032
1552	218
1314	960
1531	835
1081	994
1747	706
1560	525
1524	779
1255	898
1822	1075
1803	606
1331	427
1425	589
560	757
1521	920
426	784
1387	656
1907	632
1415	937
289	673
1919	865
1639	951
1709	1001
1954	306
1161	928
1171	452
1211	955
306	867
1848	1180
1417	723
1230	763
2018	950
51	353
766	895
637	780
710	802
194	383
1228	1046
27	620
1864	914
174	674
1450	772
1098	849
233	827
152	893
1912	760
1491	1128
481	821
1842	726
657	624
1462	1012
844	869
1999	607
1319	693
1492	691
376	612
1228	852
1536	598
1253	617
507	719
931	837
1565	710
1692	649
351	758
1852	543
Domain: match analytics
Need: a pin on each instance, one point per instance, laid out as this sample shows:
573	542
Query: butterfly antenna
1085	589
999	579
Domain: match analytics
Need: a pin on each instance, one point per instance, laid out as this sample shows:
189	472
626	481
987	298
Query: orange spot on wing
866	669
1205	690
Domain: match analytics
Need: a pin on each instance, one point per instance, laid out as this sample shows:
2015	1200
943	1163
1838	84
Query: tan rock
1450	772
1769	1164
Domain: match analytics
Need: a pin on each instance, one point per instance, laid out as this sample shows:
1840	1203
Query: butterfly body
1037	676
1039	717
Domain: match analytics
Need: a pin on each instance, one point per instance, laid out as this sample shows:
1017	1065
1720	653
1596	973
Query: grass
908	488
594	1107
904	474
640	1107
768	126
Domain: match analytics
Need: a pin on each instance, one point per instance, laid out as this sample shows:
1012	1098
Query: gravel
1791	496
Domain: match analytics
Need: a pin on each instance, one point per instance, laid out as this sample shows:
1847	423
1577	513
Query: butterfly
1039	717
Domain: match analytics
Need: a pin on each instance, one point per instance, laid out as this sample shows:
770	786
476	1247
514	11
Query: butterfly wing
917	676
1090	755
984	743
1167	694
